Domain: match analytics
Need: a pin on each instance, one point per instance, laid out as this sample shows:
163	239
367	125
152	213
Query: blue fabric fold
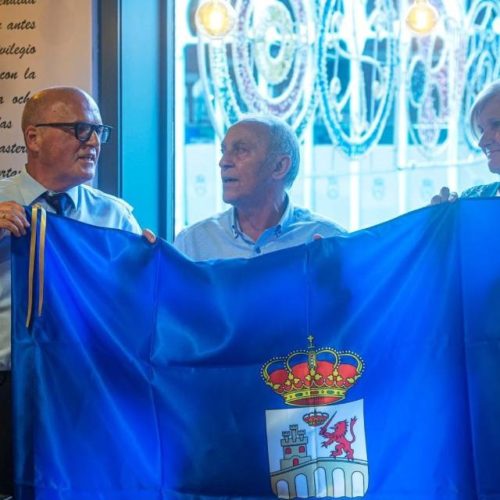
143	377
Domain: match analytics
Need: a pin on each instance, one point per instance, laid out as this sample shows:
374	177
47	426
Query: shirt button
257	250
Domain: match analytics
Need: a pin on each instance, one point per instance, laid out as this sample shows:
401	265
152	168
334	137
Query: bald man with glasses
63	132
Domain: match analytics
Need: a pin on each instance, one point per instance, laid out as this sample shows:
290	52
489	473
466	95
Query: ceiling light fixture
215	18
422	17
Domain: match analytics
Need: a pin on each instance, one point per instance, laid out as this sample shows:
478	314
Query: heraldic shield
317	448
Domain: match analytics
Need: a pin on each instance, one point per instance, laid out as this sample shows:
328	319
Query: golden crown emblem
313	377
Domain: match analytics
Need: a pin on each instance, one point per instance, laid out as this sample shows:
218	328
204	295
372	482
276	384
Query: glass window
381	112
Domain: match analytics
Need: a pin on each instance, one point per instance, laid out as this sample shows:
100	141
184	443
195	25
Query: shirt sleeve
180	241
131	224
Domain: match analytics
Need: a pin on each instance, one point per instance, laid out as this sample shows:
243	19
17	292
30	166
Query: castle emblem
313	451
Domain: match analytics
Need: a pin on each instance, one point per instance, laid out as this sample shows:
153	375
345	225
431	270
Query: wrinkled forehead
490	108
247	131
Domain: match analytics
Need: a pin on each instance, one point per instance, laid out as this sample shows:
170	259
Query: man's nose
225	160
485	140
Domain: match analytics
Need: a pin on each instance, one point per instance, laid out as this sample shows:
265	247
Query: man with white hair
259	163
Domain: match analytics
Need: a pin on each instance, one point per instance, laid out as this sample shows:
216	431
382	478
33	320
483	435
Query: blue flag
359	366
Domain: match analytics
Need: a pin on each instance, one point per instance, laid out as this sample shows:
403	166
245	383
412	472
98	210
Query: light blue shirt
88	205
220	236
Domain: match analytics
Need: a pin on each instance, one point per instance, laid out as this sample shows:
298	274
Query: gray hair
482	99
282	141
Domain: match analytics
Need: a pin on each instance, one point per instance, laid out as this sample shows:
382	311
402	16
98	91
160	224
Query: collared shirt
482	191
220	236
87	205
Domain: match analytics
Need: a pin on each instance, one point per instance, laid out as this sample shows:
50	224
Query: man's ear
32	138
281	167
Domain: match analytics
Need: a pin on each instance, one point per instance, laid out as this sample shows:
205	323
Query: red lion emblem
339	436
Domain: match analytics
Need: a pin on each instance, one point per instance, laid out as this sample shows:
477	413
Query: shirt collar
286	218
31	189
283	223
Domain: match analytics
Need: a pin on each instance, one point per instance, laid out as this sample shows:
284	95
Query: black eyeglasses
82	130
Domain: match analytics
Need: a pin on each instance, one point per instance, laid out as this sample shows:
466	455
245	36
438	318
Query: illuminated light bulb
496	25
422	17
215	18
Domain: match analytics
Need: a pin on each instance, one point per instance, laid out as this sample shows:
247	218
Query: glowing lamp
215	18
496	25
422	17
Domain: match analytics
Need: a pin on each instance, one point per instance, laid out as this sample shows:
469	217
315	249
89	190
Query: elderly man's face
246	168
489	125
68	160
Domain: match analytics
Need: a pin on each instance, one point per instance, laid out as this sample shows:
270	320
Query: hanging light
215	18
496	25
422	17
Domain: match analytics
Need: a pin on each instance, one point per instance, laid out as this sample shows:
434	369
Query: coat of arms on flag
315	449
